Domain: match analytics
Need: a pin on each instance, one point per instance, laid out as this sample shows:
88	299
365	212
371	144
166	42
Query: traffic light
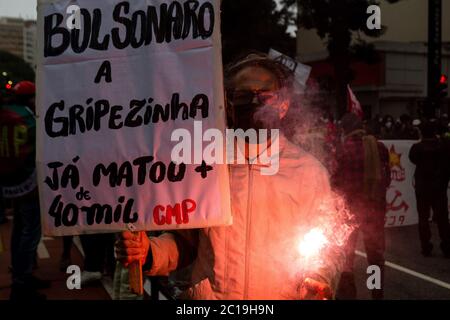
9	85
442	90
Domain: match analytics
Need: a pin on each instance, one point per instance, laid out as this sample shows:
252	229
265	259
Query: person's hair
284	76
428	130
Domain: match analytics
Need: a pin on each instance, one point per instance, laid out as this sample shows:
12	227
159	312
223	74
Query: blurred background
387	69
398	72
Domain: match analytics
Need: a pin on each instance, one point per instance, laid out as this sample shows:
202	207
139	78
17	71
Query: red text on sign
180	212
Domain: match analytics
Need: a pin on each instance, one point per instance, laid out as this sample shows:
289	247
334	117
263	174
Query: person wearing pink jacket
256	257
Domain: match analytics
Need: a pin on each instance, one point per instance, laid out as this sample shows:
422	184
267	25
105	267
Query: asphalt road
49	253
409	275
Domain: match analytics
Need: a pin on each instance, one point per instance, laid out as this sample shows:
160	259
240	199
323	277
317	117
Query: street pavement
49	253
409	275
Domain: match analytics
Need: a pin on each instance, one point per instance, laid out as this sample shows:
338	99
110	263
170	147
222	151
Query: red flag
353	104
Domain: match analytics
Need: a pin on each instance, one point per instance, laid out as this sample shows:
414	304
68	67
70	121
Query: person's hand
132	247
315	290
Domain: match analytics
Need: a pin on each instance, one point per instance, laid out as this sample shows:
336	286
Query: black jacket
432	165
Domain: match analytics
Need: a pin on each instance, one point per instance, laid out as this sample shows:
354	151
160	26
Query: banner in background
401	199
115	79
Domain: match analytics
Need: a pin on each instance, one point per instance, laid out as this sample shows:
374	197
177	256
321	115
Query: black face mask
255	116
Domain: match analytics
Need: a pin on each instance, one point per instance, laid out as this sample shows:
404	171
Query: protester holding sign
252	259
124	83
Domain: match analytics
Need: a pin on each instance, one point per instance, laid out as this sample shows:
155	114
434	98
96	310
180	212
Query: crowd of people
249	267
405	127
352	151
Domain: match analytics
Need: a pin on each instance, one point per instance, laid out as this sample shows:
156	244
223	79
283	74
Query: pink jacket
256	257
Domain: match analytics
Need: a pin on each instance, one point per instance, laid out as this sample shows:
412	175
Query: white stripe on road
411	272
42	251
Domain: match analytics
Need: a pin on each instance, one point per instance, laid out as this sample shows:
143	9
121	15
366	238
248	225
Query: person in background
2	210
331	138
25	95
408	132
416	124
443	123
447	133
376	125
387	130
362	177
431	182
18	182
398	129
98	256
3	219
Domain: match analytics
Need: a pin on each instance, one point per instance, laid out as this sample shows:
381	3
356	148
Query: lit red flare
312	243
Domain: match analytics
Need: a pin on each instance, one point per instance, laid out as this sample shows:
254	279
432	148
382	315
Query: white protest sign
401	200
401	197
115	80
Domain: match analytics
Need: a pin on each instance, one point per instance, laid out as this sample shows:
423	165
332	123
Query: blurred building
29	42
397	83
18	37
11	35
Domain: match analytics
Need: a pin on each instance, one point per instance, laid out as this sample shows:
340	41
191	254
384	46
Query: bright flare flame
312	243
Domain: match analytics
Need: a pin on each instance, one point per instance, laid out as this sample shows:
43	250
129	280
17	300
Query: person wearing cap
431	178
362	176
25	94
252	258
